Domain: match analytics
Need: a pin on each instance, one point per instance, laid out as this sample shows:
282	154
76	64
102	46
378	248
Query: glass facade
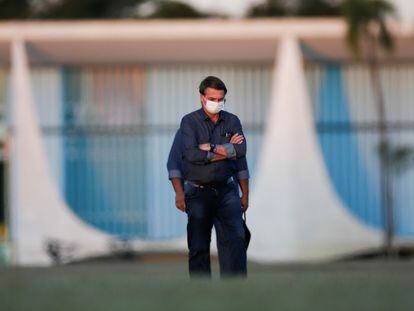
108	129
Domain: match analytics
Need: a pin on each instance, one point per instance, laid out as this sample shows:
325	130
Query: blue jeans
221	207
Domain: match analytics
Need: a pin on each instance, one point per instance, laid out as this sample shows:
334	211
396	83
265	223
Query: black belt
212	184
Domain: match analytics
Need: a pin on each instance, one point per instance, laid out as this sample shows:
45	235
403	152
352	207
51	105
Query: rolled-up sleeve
243	174
240	148
174	174
174	163
242	168
230	150
190	145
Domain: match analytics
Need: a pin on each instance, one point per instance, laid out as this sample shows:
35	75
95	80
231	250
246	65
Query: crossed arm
200	153
222	151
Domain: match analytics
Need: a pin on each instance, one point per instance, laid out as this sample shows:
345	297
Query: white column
295	213
38	212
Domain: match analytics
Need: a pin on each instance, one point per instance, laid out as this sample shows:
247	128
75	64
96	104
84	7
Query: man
213	142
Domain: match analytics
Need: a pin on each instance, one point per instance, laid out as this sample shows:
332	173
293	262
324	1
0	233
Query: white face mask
214	107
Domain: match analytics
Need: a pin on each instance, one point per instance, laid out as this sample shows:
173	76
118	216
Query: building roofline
266	28
85	41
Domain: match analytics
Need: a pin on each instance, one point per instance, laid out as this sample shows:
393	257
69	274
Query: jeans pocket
189	190
234	186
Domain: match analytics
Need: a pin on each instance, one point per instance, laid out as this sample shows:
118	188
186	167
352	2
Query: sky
237	8
405	9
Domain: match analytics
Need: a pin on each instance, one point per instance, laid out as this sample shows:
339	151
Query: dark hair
212	82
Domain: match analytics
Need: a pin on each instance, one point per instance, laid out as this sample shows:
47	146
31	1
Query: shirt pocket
225	135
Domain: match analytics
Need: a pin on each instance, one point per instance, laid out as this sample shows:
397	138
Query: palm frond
385	38
360	15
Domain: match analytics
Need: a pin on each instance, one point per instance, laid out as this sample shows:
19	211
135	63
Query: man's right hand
180	201
205	146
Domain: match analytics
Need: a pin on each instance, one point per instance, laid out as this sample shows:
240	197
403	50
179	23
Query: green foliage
396	158
86	9
14	9
175	9
267	9
318	8
93	9
307	8
367	18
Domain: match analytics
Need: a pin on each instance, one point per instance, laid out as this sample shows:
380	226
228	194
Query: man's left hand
237	139
244	202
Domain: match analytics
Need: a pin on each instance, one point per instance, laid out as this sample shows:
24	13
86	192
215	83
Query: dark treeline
110	9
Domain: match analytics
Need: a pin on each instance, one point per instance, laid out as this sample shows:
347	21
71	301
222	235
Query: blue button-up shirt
197	128
175	159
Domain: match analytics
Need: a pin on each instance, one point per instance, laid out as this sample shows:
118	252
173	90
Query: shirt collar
204	116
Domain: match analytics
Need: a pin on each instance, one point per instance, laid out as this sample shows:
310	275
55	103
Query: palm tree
367	34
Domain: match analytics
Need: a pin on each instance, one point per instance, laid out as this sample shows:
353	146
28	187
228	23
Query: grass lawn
159	285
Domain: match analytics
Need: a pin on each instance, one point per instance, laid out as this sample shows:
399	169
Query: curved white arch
294	213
